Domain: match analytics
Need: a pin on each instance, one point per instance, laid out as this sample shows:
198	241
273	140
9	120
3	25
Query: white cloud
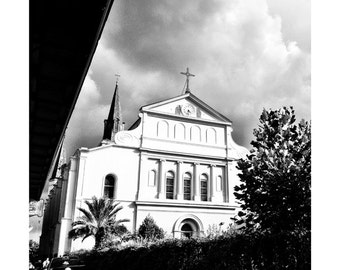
242	60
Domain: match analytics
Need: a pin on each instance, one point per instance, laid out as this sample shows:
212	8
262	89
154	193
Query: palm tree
97	221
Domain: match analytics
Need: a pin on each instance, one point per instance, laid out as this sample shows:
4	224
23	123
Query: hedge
239	251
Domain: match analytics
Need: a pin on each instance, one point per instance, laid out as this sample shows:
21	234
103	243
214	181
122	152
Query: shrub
236	251
149	229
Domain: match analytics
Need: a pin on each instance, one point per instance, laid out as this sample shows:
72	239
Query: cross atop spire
187	74
117	78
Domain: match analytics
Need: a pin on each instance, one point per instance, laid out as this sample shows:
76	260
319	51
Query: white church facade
177	163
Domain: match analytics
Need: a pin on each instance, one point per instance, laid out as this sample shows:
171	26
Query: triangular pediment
187	106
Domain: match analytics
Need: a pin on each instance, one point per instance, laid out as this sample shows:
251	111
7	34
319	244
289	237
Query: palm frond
116	209
122	220
78	232
90	205
78	222
87	235
100	217
87	213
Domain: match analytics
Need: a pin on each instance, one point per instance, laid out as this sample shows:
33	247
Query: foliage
237	251
275	178
150	230
213	231
115	236
98	221
33	250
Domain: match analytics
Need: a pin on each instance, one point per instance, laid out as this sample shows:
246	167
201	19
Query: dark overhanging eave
63	38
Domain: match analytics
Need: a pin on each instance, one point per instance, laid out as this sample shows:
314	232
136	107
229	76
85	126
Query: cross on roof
117	78
188	74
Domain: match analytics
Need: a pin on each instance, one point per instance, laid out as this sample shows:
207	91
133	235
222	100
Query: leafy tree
98	221
150	230
275	189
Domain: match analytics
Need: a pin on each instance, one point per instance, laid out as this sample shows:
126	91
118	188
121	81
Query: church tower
114	122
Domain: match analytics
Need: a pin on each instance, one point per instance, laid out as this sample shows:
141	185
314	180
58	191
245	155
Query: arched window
170	178
187	186
163	129
204	187
109	186
211	136
152	178
195	134
179	131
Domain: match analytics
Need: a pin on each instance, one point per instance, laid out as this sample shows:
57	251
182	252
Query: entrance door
187	230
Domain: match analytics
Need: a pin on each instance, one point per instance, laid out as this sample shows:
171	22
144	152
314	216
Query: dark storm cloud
157	35
242	60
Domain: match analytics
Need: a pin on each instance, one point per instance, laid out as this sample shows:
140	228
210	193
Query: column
196	183
66	221
81	175
226	184
161	194
57	221
179	181
212	183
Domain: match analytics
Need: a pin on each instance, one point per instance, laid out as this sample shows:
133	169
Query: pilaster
212	184
161	193
66	221
179	181
143	179
226	185
196	183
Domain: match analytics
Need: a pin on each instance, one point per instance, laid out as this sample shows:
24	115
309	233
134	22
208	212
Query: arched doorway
186	230
188	226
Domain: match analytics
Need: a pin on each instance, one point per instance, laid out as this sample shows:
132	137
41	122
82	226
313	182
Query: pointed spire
114	122
115	110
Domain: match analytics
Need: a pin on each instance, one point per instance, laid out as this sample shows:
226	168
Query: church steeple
114	122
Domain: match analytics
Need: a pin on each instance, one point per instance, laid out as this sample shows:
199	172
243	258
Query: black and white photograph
171	135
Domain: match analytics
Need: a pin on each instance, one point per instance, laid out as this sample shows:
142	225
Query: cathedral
176	163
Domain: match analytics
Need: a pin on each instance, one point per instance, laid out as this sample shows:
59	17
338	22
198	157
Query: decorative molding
126	138
129	137
188	204
234	150
196	220
195	101
205	145
190	119
187	158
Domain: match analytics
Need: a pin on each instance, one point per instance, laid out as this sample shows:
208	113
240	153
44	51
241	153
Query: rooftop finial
117	78
188	74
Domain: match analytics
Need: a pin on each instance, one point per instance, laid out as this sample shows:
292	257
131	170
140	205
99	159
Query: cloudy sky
246	55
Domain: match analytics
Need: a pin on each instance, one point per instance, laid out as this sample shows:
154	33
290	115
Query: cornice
187	204
186	118
177	155
222	147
